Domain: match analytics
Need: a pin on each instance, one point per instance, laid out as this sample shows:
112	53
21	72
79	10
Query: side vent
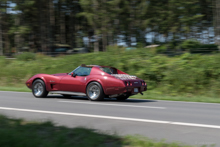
51	85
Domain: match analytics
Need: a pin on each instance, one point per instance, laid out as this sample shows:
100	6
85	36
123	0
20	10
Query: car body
95	82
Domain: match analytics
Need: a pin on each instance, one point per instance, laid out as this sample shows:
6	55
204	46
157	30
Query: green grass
155	95
20	133
18	89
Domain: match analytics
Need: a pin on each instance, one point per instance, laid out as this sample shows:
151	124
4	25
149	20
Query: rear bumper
122	90
131	90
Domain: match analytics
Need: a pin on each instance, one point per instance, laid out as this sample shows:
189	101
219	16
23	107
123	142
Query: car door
77	83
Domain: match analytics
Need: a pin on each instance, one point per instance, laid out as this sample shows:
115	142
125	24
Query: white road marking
113	117
186	102
118	105
15	92
202	103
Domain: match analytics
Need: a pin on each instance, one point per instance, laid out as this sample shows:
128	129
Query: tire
122	97
66	96
95	92
39	89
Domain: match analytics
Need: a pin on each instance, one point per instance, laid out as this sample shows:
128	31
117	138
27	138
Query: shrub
195	46
162	48
27	56
188	73
205	48
189	44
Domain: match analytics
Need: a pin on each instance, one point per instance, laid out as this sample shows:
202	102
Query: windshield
82	71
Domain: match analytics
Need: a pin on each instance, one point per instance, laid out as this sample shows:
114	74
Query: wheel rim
94	92
38	89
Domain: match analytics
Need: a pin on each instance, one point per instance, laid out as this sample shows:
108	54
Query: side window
107	70
83	71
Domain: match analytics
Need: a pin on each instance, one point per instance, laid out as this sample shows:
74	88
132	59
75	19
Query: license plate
135	89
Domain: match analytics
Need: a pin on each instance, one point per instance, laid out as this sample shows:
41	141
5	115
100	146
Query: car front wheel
95	92
39	89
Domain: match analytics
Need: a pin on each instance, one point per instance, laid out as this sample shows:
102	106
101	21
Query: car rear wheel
95	92
39	89
122	97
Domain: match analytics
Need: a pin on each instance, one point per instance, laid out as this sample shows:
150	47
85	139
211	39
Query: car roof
83	65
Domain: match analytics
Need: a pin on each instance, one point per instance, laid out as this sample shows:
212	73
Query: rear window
109	70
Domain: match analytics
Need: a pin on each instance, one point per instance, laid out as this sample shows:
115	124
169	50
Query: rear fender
95	80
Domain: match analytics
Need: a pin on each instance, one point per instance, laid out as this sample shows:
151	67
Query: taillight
127	83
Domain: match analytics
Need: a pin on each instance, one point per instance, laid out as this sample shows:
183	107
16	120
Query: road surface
186	122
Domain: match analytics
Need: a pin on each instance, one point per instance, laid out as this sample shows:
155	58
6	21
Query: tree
1	42
42	23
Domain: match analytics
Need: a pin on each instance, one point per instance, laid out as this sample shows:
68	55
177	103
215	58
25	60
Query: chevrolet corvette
95	82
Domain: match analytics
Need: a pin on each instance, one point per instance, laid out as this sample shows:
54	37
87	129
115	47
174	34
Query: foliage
20	133
19	30
195	46
162	48
188	73
27	56
42	23
189	44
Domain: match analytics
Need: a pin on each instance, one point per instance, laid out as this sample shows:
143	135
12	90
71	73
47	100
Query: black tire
39	89
122	97
92	91
67	96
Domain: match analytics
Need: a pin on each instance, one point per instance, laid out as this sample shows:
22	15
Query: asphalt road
191	123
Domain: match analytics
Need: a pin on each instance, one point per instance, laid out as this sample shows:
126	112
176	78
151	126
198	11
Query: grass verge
187	77
155	95
18	89
20	133
185	74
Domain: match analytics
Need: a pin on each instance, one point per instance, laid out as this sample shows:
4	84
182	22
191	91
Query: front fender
45	78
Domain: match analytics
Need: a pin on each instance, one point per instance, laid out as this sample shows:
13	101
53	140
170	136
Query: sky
10	10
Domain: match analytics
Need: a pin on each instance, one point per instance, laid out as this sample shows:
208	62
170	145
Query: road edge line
114	118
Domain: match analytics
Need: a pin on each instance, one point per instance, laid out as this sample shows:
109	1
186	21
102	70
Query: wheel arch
97	81
38	78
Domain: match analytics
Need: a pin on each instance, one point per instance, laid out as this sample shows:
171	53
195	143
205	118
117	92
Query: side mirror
73	74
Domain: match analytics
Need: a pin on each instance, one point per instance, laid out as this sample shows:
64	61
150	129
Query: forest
96	24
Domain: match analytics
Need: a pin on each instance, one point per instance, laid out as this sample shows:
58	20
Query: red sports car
95	82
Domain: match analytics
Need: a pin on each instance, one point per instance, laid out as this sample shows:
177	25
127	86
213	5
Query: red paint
110	84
